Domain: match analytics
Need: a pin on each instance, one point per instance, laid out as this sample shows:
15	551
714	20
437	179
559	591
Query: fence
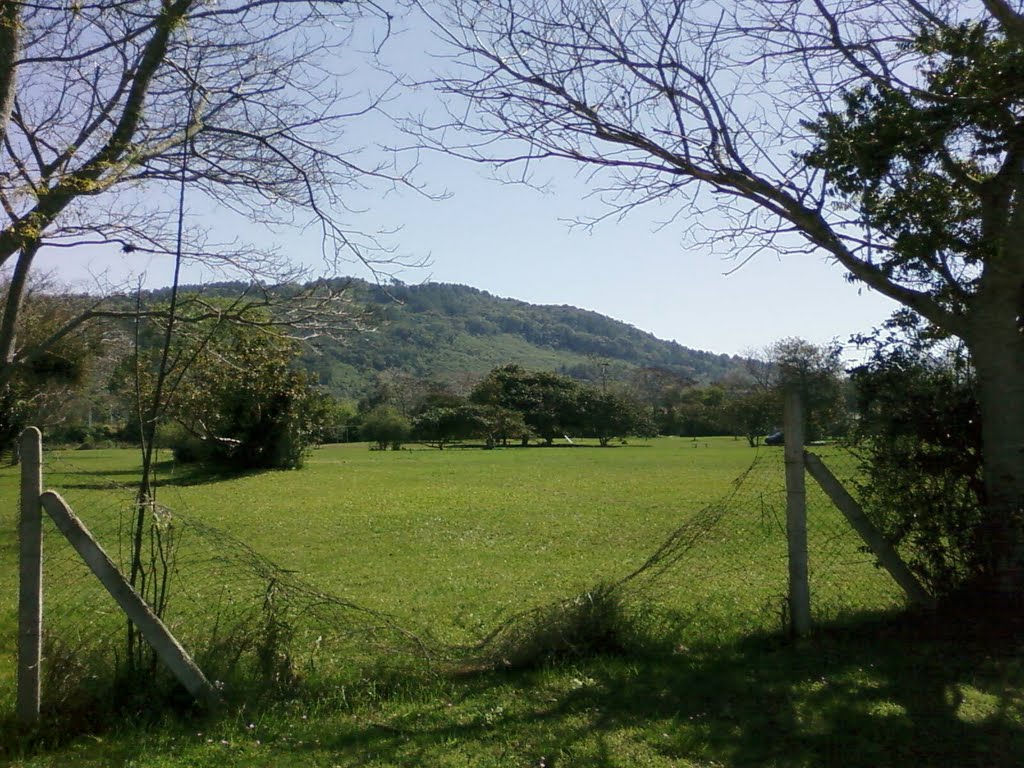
232	614
738	565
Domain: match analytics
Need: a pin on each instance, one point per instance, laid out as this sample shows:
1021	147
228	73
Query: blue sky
515	241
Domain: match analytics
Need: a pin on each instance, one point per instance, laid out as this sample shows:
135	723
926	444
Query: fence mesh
728	564
845	576
240	615
723	572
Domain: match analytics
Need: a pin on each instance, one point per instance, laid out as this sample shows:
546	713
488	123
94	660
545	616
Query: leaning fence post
796	514
141	615
887	555
30	576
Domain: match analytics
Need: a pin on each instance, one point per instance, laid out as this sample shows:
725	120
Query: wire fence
721	574
243	618
846	578
728	565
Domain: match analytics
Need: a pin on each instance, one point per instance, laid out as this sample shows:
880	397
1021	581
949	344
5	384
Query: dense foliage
550	404
919	434
50	373
933	172
439	331
385	426
234	397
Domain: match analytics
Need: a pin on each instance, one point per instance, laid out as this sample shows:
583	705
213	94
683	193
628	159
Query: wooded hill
452	333
444	332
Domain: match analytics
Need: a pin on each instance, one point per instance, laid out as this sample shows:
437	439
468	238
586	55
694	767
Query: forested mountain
455	333
447	332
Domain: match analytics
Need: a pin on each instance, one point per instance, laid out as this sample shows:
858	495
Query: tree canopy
234	392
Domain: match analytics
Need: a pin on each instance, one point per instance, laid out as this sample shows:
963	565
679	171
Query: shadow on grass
884	693
168	473
889	692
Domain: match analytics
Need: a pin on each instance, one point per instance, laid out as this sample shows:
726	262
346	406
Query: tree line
238	392
514	404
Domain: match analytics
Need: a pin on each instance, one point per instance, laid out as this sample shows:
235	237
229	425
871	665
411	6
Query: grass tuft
592	624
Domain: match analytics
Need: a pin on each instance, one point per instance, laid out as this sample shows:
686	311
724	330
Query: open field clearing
424	552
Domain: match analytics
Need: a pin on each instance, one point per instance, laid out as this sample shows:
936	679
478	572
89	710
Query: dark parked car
775	438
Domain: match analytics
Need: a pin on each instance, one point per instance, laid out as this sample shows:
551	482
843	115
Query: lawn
447	544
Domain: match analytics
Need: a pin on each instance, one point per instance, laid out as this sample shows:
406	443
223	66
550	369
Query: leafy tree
385	426
442	425
919	436
907	173
340	420
663	393
754	412
753	404
502	424
818	373
609	414
48	378
702	411
437	395
549	403
244	404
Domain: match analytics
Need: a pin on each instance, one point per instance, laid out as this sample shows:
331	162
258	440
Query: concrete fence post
30	576
796	514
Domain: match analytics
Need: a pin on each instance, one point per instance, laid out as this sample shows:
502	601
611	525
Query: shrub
385	426
593	623
919	435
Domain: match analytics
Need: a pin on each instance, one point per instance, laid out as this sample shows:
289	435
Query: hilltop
447	332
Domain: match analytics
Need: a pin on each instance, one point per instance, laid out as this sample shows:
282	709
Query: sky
516	242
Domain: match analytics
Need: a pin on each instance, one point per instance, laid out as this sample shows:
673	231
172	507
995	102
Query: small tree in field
609	415
235	392
501	424
549	403
817	371
754	412
443	425
385	426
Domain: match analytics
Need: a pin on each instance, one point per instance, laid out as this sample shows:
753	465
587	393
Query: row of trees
749	404
233	393
509	404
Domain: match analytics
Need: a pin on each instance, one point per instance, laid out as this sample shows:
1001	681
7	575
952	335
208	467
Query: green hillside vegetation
443	332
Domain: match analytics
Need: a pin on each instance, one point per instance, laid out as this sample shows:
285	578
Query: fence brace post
30	576
887	555
796	513
152	628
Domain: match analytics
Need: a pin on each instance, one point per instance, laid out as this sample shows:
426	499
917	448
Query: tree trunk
997	350
10	42
12	308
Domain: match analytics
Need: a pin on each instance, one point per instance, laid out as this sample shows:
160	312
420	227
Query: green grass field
450	543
